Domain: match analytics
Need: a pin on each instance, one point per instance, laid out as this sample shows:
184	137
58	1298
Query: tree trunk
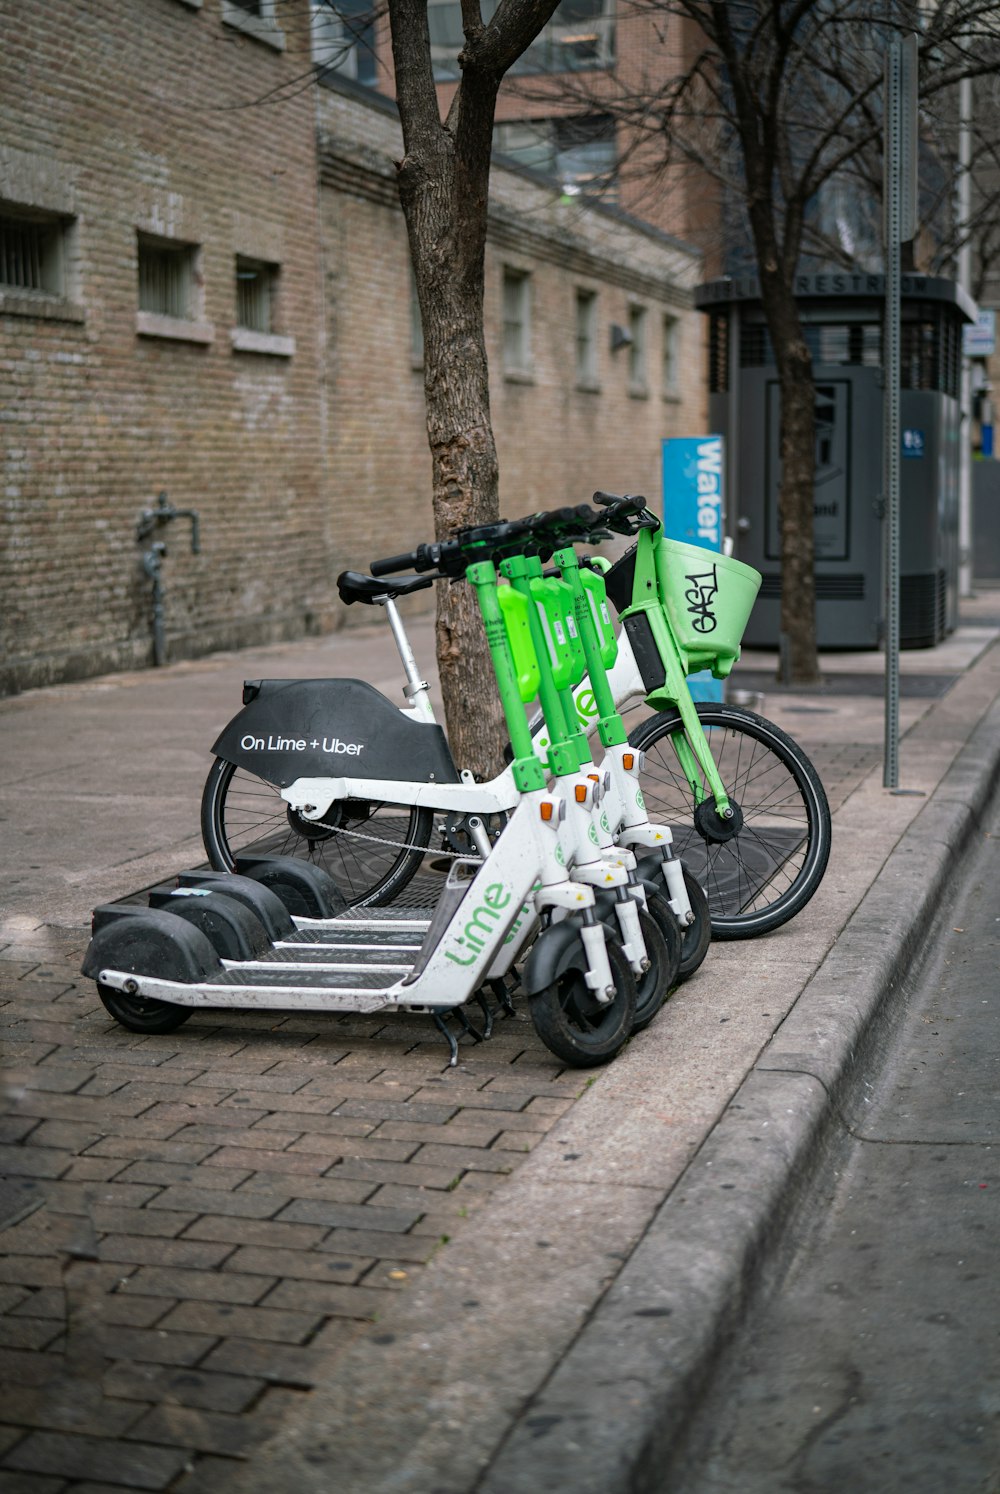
798	663
443	182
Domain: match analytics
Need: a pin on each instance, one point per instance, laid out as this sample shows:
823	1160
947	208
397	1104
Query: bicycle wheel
244	815
763	869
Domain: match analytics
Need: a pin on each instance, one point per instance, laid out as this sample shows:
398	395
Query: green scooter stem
562	754
610	728
528	771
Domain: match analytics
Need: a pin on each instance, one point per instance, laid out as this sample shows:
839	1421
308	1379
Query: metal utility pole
964	214
900	225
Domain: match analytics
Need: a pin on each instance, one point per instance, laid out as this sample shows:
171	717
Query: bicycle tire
772	866
242	815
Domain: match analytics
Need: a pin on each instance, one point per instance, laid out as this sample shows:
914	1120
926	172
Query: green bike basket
709	598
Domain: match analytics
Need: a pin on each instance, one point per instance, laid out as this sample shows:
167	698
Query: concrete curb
647	1351
563	1341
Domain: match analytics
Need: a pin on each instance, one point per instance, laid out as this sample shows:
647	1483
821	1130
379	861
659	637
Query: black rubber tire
241	814
786	818
574	1026
653	987
697	936
141	1013
658	907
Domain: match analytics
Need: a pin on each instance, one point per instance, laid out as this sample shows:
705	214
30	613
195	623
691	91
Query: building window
343	39
579	151
579	37
586	338
256	18
256	283
637	350
170	290
166	277
416	324
671	360
32	252
516	321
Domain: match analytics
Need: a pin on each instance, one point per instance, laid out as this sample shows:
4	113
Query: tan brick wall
556	442
152	117
137	117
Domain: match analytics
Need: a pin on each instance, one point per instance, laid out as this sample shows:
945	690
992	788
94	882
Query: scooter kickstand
487	1013
449	1037
500	991
458	1013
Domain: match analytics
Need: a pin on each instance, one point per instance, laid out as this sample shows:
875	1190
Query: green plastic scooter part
528	771
562	756
597	598
609	723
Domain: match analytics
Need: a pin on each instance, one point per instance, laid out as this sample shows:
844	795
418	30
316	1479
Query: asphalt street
875	1364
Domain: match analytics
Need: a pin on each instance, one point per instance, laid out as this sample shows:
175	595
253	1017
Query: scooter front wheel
367	848
653	987
575	1026
143	1013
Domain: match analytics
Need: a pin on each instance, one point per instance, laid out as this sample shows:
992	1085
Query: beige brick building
204	290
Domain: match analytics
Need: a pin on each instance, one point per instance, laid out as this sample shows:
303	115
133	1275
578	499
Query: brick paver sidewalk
195	1222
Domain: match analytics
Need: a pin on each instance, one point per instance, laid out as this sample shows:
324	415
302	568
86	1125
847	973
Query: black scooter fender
147	941
557	949
291	729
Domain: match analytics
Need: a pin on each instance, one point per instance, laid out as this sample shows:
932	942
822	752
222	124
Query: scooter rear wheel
244	815
573	1024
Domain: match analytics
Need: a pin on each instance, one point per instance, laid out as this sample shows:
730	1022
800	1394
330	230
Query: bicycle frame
630	685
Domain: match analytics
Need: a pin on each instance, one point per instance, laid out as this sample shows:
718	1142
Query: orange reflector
594	777
546	810
628	761
581	793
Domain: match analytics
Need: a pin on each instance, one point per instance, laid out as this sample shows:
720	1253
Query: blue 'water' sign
692	490
692	512
913	442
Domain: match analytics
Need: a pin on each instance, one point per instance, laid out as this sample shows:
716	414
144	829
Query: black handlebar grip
386	567
605	498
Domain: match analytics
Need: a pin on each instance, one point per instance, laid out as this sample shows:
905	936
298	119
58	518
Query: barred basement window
31	253
255	285
166	277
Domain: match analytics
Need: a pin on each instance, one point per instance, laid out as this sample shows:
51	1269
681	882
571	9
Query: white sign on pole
980	339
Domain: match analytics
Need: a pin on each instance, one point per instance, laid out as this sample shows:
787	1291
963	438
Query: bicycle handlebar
628	514
540	533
